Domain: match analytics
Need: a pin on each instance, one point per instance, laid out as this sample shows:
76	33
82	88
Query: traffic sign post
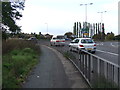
85	32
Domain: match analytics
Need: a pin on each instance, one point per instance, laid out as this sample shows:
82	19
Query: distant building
48	36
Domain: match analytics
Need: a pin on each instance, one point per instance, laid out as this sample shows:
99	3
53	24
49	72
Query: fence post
118	77
89	68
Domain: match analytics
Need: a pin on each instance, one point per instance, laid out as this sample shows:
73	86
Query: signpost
85	32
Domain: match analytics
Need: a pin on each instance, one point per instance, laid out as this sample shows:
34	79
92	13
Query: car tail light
81	45
94	44
63	41
57	41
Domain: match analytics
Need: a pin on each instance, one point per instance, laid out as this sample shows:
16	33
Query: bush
18	60
110	37
102	82
27	50
10	45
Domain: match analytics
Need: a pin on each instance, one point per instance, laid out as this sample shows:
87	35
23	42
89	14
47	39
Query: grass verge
102	82
68	55
18	62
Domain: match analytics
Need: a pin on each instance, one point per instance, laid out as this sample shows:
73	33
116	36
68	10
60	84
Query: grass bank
19	57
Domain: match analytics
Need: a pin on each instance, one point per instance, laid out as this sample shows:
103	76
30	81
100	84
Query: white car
83	43
57	41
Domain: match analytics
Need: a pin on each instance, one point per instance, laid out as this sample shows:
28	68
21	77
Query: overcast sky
60	15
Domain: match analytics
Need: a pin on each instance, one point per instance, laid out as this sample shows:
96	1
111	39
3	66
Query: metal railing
98	72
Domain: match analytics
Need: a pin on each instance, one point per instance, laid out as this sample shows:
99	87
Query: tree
74	28
10	14
117	37
110	36
80	29
99	37
96	29
68	34
77	30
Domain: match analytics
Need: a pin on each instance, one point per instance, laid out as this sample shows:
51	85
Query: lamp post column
86	17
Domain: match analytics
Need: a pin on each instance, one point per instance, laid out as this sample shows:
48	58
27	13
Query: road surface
54	71
106	50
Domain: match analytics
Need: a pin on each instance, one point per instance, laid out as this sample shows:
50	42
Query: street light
86	14
101	21
86	9
101	15
47	27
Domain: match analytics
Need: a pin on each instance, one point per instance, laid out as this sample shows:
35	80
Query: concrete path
54	71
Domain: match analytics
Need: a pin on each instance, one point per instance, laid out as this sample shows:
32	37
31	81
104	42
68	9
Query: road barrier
98	72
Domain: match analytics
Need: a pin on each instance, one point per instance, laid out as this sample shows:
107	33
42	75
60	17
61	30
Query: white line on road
114	45
107	52
99	43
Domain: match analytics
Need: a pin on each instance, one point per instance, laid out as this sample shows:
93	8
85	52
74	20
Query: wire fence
98	72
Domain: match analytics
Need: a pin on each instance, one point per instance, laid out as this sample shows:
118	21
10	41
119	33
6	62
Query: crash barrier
98	72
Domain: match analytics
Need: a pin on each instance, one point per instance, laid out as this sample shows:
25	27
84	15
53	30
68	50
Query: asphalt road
54	72
106	50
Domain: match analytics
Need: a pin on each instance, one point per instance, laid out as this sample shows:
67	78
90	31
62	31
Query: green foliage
27	50
68	34
16	65
10	13
99	37
77	29
74	29
107	37
117	37
19	56
69	55
10	45
110	36
4	35
102	82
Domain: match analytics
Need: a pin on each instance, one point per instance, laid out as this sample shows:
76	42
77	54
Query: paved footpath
54	71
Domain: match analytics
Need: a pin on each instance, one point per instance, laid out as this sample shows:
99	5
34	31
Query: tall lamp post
86	9
47	27
101	22
102	15
86	4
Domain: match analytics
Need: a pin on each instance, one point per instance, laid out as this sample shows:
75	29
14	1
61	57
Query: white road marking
114	45
38	76
102	43
107	52
99	44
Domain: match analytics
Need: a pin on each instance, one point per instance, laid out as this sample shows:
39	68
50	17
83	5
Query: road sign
85	33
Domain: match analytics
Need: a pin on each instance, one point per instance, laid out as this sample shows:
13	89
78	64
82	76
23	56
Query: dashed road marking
114	45
107	52
99	44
